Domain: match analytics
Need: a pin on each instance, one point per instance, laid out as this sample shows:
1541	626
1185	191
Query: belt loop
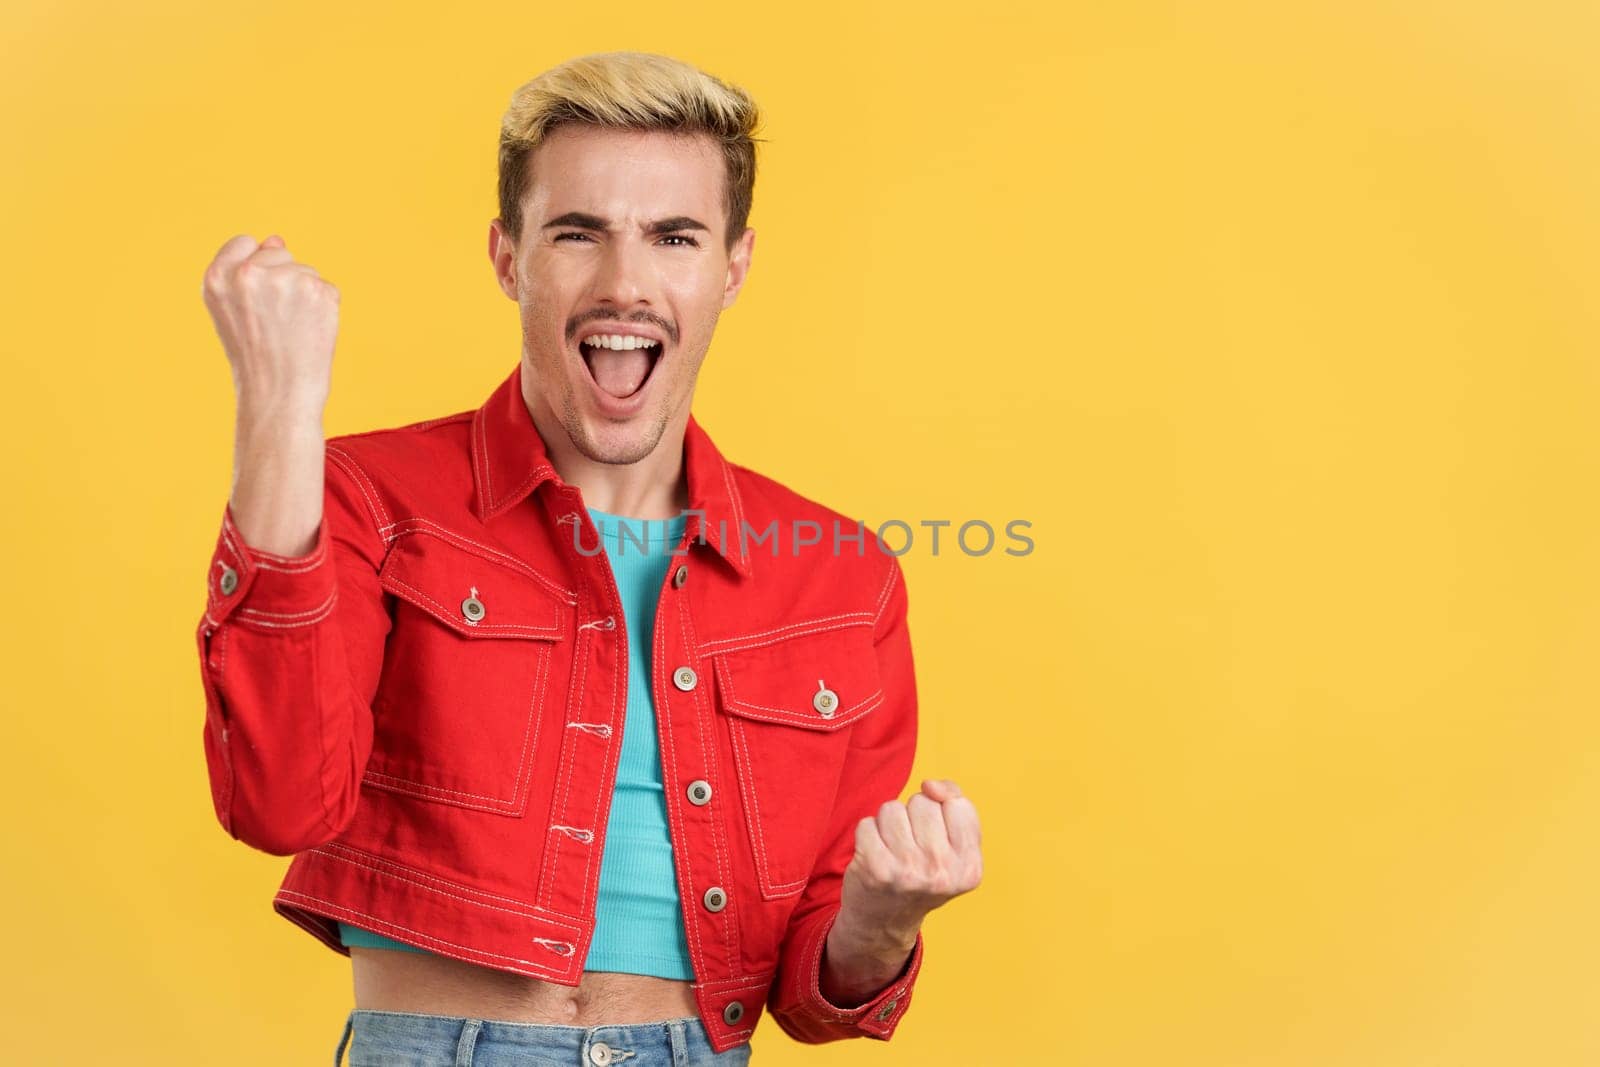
680	1046
338	1053
468	1042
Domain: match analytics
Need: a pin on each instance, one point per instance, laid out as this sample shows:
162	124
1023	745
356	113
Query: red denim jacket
426	711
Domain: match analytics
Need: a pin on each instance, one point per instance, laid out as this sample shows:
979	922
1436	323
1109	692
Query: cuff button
229	581
733	1012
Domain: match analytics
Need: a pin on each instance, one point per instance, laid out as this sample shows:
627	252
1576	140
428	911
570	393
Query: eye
560	236
688	241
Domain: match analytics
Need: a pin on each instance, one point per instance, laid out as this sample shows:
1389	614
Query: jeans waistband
454	1041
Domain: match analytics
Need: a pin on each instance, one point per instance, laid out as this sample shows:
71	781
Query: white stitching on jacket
577	833
321	612
347	463
795	629
517	800
563	948
368	919
336	850
705	725
403	528
553	628
883	597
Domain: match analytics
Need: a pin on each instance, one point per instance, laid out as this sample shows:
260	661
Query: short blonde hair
630	91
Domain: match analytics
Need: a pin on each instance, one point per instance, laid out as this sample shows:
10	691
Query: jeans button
600	1054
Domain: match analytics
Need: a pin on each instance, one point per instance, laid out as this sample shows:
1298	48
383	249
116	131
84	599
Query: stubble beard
629	452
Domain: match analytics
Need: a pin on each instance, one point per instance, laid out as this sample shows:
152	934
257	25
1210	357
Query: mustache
641	318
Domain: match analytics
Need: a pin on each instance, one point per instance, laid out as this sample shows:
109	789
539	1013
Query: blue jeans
408	1039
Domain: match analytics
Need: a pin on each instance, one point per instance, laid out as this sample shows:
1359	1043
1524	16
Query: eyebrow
584	221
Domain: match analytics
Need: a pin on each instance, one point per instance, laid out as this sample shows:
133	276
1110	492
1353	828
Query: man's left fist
911	858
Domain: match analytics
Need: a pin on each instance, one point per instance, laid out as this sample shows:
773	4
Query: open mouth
620	372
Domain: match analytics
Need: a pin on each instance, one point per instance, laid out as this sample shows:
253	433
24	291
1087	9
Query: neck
653	487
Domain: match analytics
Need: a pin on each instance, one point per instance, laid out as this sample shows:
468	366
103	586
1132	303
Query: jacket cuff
879	1016
266	589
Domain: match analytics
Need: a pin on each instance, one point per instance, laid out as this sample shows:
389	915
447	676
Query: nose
622	276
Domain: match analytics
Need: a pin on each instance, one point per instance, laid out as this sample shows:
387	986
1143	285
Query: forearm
278	473
858	962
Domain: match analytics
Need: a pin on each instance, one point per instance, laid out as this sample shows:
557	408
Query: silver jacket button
472	608
229	581
716	899
826	701
733	1012
684	678
680	576
699	791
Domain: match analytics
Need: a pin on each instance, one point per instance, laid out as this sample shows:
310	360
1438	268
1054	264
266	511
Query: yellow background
1277	321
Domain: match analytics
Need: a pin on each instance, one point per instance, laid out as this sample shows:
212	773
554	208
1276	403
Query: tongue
619	373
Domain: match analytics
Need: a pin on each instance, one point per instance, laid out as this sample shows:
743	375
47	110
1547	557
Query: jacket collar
510	461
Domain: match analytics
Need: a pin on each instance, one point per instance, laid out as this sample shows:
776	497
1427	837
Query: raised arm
291	639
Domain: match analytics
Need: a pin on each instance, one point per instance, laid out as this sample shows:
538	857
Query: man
544	788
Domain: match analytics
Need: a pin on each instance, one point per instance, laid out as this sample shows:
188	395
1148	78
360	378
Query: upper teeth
620	341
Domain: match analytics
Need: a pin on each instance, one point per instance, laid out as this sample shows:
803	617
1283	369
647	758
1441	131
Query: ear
503	257
738	266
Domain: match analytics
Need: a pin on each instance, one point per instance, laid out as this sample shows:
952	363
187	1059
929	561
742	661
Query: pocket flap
472	592
817	681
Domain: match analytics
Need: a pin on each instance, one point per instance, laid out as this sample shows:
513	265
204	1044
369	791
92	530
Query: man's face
622	234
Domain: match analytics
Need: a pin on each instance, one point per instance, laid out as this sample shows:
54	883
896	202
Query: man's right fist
277	319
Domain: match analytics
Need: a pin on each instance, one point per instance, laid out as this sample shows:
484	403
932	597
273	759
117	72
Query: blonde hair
630	91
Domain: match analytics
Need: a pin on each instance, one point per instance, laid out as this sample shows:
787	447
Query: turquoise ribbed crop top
638	918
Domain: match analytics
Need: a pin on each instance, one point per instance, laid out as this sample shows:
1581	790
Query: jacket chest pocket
466	673
788	706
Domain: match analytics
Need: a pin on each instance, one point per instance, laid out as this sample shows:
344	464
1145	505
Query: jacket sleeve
290	653
876	769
